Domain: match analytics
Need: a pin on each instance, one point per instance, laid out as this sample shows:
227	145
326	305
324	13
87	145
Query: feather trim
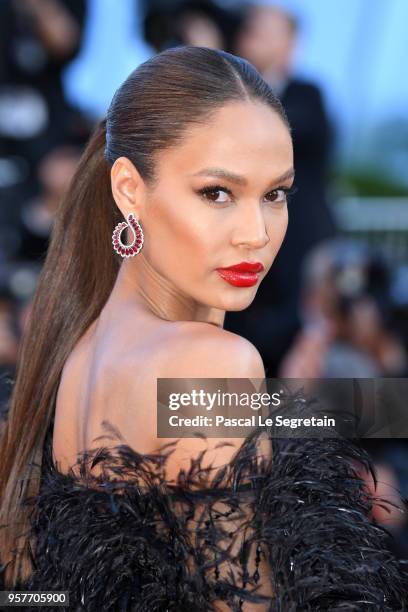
126	540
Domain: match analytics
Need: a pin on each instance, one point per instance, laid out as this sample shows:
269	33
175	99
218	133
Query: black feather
126	540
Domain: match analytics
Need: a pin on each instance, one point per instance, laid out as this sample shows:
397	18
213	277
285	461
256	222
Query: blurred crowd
330	306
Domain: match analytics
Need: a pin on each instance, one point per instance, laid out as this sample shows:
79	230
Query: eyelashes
211	190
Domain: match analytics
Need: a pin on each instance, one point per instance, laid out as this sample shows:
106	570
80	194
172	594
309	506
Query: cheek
176	240
276	228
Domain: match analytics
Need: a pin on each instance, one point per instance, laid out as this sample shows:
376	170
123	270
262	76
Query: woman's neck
139	283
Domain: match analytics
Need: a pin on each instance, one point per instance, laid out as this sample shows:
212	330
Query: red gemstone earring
128	250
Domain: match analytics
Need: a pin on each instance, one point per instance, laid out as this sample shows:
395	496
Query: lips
244	274
245	266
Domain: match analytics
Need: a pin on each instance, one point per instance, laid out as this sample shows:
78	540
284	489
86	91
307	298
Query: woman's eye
218	195
277	195
221	195
282	194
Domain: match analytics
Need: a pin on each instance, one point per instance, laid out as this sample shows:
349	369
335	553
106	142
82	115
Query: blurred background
335	303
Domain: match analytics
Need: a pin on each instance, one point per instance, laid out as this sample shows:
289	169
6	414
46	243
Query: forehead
245	136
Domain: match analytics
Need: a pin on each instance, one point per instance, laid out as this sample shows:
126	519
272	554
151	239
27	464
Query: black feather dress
119	537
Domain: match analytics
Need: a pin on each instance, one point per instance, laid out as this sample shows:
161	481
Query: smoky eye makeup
211	193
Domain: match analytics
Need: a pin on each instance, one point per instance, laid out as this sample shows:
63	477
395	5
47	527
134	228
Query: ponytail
76	279
149	113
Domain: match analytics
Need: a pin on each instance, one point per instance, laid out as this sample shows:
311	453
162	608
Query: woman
196	155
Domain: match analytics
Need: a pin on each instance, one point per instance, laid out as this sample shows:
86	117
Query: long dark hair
150	112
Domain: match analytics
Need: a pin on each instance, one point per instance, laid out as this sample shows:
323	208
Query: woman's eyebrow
237	178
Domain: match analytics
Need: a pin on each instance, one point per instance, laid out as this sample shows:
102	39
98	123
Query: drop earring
128	250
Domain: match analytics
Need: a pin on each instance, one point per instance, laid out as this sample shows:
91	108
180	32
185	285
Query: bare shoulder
200	351
127	391
184	350
204	350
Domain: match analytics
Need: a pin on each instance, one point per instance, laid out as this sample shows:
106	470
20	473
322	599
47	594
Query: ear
126	182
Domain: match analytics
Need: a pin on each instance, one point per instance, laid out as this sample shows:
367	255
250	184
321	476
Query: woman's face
219	201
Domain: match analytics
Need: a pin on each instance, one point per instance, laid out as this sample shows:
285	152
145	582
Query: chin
239	303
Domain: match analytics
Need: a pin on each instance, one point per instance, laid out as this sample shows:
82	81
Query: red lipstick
244	274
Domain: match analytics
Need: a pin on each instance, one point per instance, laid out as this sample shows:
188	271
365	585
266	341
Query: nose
250	228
